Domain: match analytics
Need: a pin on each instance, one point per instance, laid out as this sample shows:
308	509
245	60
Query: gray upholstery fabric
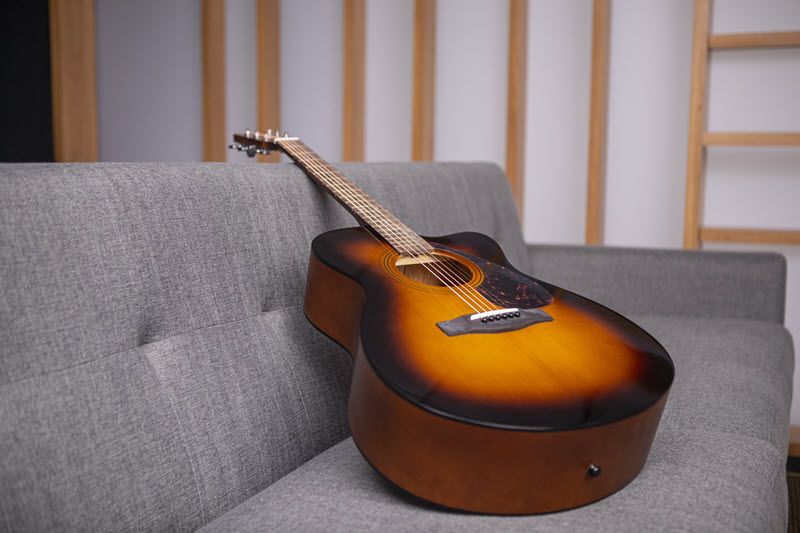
716	464
156	369
101	258
155	365
668	282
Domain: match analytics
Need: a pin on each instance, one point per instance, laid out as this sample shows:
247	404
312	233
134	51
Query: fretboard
368	212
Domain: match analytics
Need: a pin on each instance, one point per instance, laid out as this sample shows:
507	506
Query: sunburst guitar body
475	386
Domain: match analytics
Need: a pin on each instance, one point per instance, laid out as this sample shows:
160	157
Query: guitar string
442	268
401	236
395	231
513	337
354	189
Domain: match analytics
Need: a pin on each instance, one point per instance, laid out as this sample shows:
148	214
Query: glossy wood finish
492	470
498	423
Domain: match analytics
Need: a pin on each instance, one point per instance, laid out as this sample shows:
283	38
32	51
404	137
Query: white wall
557	136
650	63
149	87
388	80
311	73
149	92
471	80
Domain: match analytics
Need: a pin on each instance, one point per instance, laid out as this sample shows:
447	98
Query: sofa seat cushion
717	463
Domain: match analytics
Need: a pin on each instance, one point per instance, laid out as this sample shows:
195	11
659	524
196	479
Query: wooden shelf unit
734	41
750	139
750	235
694	233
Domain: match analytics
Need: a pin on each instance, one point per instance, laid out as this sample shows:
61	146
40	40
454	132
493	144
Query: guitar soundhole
441	272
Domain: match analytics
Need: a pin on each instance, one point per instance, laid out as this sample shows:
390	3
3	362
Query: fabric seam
182	333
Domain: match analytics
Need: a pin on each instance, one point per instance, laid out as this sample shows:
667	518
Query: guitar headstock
257	142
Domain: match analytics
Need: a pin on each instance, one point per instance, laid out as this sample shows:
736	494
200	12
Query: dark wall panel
26	131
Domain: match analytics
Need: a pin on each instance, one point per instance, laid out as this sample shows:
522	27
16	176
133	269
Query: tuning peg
269	132
235	146
248	133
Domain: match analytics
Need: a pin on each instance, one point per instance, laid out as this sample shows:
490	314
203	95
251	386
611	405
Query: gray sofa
157	372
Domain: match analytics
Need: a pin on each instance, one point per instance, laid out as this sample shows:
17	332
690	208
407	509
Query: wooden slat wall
697	124
74	80
268	68
424	80
595	196
213	36
353	77
517	90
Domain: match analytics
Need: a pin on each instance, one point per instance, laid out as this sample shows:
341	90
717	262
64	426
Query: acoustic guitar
475	386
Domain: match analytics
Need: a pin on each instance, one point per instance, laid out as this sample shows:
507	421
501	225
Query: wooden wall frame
73	69
423	101
353	77
268	69
598	121
694	233
214	122
516	101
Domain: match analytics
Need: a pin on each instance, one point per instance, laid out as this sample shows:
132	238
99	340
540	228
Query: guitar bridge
496	321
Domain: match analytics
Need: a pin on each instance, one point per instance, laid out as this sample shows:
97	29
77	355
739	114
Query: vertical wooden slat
353	76
424	80
214	127
595	194
268	69
515	104
74	80
697	124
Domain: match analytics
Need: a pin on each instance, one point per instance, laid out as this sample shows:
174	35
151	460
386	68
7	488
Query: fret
354	199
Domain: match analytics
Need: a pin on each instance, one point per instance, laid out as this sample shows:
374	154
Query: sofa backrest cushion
156	368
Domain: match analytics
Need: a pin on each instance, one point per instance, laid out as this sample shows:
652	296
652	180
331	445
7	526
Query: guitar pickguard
504	286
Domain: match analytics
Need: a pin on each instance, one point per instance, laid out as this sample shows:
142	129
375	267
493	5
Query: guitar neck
362	206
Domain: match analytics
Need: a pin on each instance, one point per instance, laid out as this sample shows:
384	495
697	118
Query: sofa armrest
668	282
